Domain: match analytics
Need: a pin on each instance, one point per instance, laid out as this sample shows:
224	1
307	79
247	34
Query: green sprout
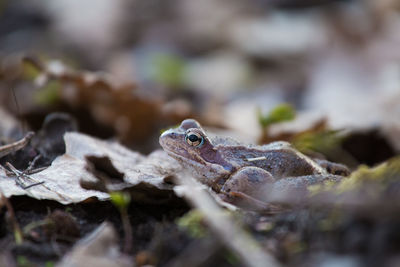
122	200
325	141
280	113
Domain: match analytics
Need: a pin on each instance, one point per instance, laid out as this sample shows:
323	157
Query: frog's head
189	144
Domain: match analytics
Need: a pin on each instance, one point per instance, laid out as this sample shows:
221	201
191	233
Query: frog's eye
194	139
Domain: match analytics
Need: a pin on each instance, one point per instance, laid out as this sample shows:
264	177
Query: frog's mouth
185	159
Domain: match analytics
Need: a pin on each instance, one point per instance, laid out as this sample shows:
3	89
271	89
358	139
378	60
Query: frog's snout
166	136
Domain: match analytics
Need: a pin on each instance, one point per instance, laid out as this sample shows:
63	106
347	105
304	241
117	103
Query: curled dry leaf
121	106
62	180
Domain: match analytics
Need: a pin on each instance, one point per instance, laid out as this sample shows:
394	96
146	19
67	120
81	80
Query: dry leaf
62	179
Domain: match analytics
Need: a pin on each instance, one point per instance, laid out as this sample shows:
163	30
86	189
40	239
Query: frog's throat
183	159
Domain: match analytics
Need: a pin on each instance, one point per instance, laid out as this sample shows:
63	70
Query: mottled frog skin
227	165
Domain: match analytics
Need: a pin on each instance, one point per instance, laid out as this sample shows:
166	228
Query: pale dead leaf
62	179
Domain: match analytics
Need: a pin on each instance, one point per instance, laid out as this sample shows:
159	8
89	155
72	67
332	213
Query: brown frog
228	166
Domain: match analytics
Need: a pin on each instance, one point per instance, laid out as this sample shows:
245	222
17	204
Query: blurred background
128	69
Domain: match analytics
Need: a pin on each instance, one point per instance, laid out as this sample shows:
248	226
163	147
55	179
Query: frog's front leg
247	181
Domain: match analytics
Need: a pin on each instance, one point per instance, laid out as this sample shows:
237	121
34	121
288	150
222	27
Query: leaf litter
63	178
348	77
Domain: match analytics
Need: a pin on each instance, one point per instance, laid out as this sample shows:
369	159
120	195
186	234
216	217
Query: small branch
7	149
32	163
21	175
223	225
32	185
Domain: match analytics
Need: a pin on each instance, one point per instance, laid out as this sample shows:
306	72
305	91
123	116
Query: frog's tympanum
228	166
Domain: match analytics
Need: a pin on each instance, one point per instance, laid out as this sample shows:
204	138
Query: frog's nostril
172	135
169	134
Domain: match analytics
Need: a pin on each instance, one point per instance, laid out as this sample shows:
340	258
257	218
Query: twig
11	174
35	170
32	163
7	149
21	175
18	109
225	228
32	185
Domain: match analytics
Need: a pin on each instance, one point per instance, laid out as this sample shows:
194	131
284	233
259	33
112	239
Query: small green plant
325	142
280	113
121	200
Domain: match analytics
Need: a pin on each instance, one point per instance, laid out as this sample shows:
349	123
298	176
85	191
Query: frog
234	169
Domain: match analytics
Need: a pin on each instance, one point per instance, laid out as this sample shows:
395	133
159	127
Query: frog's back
279	158
223	141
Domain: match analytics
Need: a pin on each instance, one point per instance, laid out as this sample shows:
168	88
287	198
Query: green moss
280	113
380	175
321	187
